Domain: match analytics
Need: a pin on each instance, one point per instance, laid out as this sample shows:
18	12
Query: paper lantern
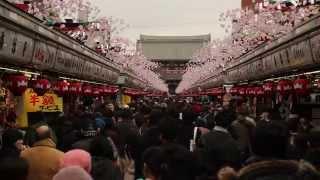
41	86
250	91
242	91
75	88
268	87
302	86
259	91
61	88
97	91
87	90
17	84
109	90
284	87
234	90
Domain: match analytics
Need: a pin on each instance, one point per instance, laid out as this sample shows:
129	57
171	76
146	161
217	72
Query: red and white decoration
250	91
302	86
87	90
234	91
97	91
61	88
75	88
268	87
259	91
284	87
216	91
242	91
110	90
17	84
41	86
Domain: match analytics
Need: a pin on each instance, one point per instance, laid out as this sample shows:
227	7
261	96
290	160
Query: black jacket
103	169
219	149
9	153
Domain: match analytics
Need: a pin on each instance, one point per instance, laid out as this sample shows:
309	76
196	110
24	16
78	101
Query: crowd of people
163	139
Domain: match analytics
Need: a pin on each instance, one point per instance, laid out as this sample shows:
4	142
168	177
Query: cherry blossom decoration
248	29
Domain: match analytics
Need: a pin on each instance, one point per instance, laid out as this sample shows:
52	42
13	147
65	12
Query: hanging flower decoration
247	29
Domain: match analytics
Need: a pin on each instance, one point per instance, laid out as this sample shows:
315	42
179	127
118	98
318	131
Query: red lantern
268	87
259	91
234	90
61	88
302	86
114	90
250	91
87	90
221	91
242	91
41	86
109	90
284	87
17	84
97	91
75	88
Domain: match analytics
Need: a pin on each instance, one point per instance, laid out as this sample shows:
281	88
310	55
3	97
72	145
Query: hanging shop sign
31	102
46	103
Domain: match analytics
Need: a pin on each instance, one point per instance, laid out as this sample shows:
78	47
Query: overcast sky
168	17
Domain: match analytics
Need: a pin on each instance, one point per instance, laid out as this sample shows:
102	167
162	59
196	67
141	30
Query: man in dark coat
12	144
218	146
102	160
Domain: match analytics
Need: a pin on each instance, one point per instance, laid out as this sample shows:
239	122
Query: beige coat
43	159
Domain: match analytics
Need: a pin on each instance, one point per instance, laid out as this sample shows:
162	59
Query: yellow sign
126	99
46	103
31	102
